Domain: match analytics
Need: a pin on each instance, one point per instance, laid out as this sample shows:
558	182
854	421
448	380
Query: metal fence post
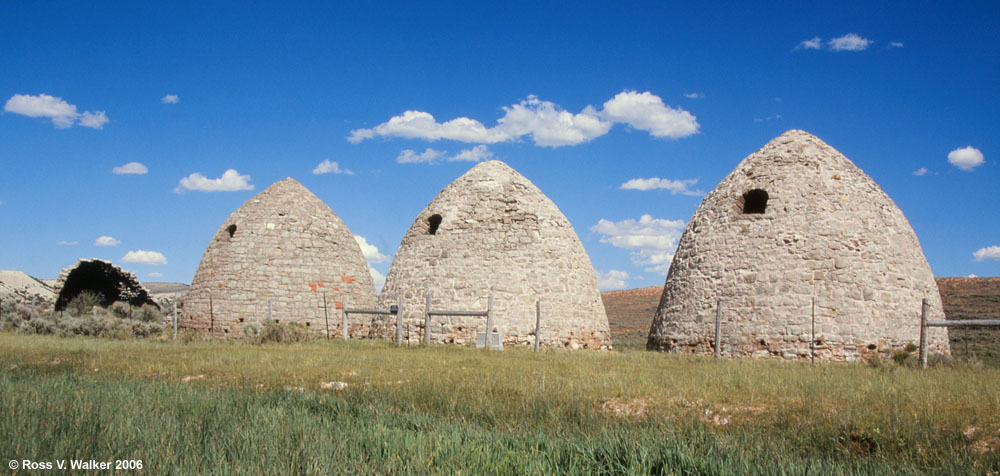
538	322
718	325
399	319
812	341
427	321
326	317
211	315
175	318
489	323
923	333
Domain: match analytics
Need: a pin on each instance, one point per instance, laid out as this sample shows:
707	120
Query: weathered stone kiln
493	231
794	221
99	276
283	246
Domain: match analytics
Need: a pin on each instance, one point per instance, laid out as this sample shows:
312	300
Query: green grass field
234	408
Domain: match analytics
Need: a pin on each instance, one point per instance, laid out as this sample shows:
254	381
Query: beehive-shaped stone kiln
284	247
492	231
795	221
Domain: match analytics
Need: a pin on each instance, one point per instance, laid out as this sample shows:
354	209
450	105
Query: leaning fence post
923	333
718	326
489	323
538	322
343	324
427	321
812	341
175	318
399	319
326	317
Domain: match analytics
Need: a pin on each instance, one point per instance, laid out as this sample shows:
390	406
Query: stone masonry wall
286	247
828	232
498	234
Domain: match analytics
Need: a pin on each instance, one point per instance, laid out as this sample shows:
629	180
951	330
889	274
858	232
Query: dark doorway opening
232	230
433	222
755	201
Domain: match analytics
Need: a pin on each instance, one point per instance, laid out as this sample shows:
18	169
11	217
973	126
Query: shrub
84	302
149	313
284	333
120	309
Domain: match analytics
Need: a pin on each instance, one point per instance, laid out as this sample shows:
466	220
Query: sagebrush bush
274	332
120	309
84	302
149	313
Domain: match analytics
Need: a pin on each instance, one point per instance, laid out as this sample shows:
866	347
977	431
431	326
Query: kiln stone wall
287	247
498	234
828	231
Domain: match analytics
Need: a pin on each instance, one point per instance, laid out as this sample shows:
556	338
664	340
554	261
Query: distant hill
18	285
165	293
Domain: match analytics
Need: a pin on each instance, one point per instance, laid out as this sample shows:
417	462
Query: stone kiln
283	246
794	221
493	231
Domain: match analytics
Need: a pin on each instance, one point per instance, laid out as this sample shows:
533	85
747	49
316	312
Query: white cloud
694	95
674	186
171	99
429	156
613	279
653	240
67	243
478	153
377	278
144	257
154	275
814	44
130	168
328	167
106	241
990	252
230	181
972	276
545	122
647	112
370	251
966	158
849	42
62	113
920	172
896	44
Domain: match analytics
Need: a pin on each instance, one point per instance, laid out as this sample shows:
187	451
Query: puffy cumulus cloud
920	172
850	42
61	113
652	240
378	279
613	279
370	251
130	168
230	181
545	122
966	158
328	167
154	275
67	243
144	257
170	99
675	187
478	153
694	95
972	276
812	44
106	241
645	111
990	252
429	156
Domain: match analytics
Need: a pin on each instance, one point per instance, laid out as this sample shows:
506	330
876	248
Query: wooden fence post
270	317
812	341
538	322
343	324
399	319
489	323
923	333
326	317
427	321
718	326
211	315
175	318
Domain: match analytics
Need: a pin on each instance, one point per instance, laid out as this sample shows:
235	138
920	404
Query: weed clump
278	333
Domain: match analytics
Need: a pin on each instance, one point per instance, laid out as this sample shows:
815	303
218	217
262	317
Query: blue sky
580	98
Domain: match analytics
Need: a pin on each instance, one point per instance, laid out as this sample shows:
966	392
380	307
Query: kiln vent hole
232	230
434	222
754	202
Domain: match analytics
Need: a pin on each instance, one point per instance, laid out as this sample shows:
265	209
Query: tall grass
260	409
